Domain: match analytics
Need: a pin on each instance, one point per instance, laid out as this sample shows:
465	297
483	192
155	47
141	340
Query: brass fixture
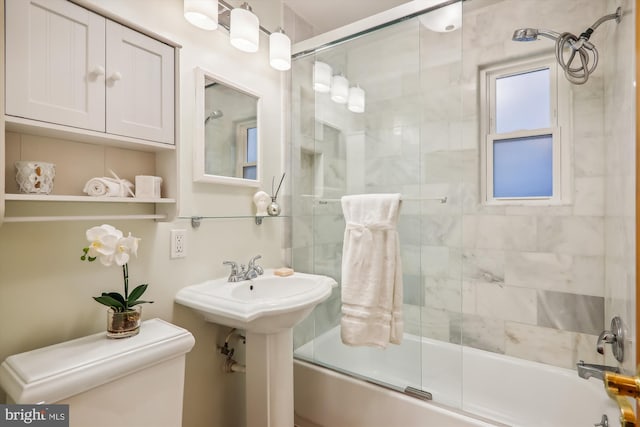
627	416
619	387
622	385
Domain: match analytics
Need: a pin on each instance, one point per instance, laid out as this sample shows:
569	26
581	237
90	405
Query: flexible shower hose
570	48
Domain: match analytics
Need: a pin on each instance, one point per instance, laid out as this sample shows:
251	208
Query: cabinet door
55	54
140	85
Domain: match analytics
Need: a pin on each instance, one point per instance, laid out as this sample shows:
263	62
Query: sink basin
267	304
267	308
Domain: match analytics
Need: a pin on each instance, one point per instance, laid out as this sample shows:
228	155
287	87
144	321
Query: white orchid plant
110	246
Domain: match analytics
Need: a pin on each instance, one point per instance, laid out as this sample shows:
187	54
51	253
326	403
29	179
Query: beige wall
45	290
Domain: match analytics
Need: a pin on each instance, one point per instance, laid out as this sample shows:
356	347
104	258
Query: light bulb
339	89
356	100
244	29
280	51
321	77
202	13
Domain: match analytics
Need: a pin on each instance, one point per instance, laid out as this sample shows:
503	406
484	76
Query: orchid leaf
137	293
110	302
115	296
140	302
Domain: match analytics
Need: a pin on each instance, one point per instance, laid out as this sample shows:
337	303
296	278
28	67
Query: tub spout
588	370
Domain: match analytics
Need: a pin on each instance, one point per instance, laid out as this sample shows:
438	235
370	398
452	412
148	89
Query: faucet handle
253	266
615	337
234	270
233	264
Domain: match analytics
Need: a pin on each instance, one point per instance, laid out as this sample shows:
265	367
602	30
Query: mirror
227	147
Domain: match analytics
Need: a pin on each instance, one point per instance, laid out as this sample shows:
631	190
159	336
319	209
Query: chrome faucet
242	272
588	370
254	270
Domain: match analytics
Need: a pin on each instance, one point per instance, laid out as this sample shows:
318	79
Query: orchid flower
126	247
108	244
103	241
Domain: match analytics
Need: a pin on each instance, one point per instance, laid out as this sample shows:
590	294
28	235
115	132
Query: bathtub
470	387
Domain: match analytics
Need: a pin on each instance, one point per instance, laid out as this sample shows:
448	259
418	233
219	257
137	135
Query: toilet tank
132	382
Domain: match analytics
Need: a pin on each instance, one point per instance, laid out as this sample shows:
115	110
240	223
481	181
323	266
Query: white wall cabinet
55	56
91	94
70	66
140	85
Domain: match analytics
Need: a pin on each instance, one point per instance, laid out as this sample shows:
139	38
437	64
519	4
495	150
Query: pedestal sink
267	308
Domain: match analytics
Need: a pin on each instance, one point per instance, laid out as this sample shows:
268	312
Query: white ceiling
325	15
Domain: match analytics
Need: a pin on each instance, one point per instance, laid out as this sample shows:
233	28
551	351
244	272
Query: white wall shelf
82	218
67	198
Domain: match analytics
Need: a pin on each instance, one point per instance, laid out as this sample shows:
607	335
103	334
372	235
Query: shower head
215	114
531	34
576	55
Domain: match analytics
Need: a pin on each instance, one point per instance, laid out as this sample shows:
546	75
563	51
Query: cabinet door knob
98	71
115	76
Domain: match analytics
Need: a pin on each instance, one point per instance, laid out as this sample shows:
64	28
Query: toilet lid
53	373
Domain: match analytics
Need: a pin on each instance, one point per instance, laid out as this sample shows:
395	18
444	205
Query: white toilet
133	382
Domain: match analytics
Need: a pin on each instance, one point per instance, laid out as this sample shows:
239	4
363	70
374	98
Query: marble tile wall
538	283
532	278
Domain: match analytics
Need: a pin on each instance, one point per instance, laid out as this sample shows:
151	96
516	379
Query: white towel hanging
371	271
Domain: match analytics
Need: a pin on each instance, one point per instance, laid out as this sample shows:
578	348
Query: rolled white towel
109	187
99	186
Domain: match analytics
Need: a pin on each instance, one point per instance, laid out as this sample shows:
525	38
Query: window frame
242	135
560	131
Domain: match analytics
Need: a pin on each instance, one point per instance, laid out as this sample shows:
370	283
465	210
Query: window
247	145
525	134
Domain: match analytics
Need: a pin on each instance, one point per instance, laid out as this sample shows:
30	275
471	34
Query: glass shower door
411	109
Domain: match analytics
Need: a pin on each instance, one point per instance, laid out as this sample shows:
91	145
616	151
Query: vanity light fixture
321	77
244	29
202	13
355	102
280	50
339	89
243	26
338	86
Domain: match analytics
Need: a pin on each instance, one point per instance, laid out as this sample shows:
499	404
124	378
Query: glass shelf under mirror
197	220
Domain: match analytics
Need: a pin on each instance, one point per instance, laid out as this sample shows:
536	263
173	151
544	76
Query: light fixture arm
223	12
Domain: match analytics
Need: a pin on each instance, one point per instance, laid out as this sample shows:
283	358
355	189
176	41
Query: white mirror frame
199	174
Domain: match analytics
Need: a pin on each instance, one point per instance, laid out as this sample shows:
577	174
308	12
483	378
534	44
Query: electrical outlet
178	243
